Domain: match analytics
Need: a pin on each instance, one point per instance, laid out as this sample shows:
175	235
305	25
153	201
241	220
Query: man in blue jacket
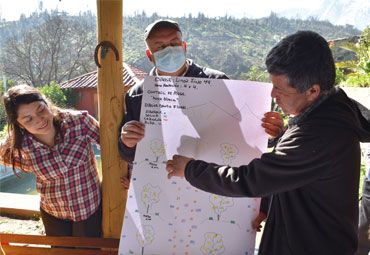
167	51
312	175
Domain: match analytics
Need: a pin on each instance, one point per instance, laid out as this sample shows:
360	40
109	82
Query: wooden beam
111	105
73	241
25	250
19	204
56	245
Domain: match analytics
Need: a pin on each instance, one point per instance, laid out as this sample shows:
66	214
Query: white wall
361	95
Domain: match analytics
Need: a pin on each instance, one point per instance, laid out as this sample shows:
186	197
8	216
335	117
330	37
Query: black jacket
312	175
135	94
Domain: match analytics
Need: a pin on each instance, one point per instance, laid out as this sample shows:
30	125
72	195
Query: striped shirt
67	176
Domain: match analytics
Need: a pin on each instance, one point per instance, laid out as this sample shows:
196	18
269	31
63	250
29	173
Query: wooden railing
57	245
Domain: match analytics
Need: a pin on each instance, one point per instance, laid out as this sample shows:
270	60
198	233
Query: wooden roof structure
131	76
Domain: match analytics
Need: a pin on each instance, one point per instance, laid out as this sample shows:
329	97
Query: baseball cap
160	23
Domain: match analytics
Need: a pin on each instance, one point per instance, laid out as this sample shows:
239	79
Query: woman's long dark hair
12	99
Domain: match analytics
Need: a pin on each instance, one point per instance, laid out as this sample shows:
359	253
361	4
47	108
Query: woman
55	145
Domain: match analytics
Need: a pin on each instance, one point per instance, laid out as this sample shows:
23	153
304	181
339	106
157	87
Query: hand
273	123
256	223
176	166
132	133
256	227
125	181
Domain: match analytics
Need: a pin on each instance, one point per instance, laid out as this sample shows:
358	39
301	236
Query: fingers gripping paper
209	119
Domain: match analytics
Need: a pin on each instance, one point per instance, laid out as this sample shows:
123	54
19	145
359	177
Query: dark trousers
364	221
90	227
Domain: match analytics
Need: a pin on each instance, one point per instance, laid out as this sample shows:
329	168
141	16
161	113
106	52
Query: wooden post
111	110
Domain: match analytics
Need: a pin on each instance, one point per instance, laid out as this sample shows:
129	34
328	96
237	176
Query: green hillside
225	43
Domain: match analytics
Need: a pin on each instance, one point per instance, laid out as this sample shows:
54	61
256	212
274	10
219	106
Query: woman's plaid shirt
67	176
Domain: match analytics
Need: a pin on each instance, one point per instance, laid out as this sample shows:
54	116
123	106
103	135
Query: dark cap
160	23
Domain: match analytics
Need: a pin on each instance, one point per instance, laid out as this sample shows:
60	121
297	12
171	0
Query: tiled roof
131	76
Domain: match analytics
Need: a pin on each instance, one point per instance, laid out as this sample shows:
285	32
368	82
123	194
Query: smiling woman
37	119
55	145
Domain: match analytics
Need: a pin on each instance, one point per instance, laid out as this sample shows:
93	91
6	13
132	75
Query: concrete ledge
19	204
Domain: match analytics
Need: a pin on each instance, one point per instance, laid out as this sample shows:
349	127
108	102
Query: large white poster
209	119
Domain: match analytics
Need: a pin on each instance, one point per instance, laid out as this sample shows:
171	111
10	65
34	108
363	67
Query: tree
62	98
360	75
224	43
57	49
9	84
256	74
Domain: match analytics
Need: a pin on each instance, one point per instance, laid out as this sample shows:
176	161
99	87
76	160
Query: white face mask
170	59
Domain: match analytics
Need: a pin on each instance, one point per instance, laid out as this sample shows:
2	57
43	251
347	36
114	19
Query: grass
21	225
35	217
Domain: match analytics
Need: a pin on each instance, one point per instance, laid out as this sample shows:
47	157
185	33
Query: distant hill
225	43
228	44
338	12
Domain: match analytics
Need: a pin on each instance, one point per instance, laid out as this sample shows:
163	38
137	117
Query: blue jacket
135	94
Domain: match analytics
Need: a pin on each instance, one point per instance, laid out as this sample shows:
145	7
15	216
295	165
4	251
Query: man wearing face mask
167	51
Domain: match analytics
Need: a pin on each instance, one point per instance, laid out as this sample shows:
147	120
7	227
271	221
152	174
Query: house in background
85	86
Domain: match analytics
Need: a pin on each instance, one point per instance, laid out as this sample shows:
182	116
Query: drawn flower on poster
228	153
146	237
220	204
157	148
150	196
213	244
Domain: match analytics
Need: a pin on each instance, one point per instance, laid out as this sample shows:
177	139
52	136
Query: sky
12	9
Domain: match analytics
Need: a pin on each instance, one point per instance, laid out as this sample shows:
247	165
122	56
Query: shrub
340	76
358	80
63	98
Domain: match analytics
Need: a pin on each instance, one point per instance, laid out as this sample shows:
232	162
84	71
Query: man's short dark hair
305	58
